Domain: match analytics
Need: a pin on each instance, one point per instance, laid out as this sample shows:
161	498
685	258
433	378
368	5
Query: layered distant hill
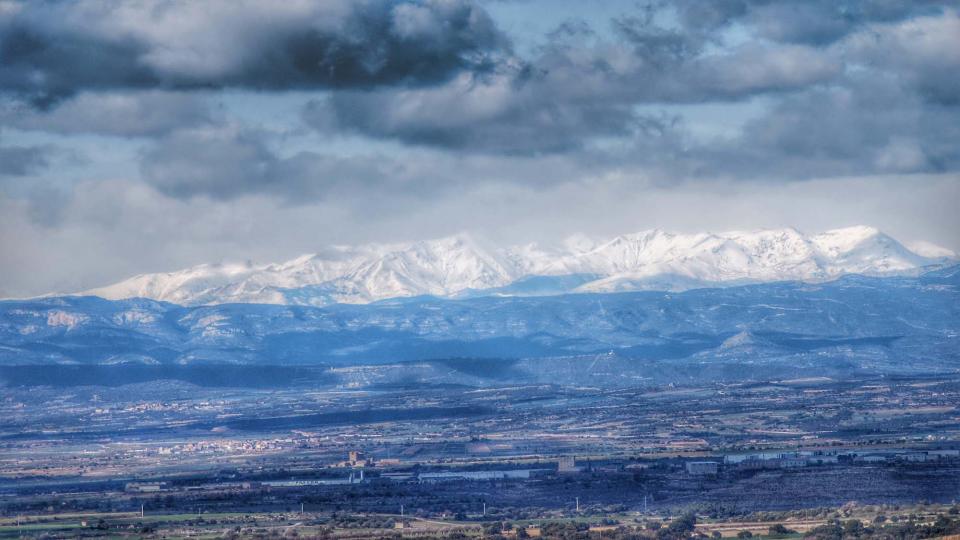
460	267
878	324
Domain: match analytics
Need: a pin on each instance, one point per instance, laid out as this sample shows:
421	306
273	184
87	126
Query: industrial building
567	464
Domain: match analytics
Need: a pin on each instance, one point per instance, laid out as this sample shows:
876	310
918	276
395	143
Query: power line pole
578	504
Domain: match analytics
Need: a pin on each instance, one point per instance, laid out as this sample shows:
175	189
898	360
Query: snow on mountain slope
438	267
866	250
461	265
927	249
340	274
737	257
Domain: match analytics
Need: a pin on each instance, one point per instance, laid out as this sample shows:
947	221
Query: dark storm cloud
22	160
865	128
127	114
853	87
49	50
813	22
225	162
500	115
578	88
923	52
216	162
582	88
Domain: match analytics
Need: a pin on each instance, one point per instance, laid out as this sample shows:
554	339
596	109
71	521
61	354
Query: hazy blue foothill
881	325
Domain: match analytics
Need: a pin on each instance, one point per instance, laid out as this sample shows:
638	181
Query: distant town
472	456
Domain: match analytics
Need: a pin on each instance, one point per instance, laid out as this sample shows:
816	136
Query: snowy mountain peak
439	267
461	264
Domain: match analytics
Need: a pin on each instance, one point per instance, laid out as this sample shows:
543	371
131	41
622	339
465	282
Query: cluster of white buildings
227	445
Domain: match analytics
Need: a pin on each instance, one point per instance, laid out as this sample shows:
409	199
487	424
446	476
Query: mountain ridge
460	265
883	323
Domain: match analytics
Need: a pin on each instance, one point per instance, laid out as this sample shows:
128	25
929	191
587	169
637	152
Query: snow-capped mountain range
461	266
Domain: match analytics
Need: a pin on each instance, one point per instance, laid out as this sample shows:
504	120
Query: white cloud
114	229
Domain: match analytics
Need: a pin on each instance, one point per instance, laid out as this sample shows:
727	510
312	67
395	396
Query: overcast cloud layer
147	136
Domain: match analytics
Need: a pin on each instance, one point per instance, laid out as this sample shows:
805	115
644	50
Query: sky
154	135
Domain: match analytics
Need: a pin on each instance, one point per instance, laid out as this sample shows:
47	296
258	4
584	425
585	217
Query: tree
493	528
779	529
744	534
683	524
681	527
852	527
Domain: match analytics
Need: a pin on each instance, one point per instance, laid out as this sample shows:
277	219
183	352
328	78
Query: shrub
779	529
